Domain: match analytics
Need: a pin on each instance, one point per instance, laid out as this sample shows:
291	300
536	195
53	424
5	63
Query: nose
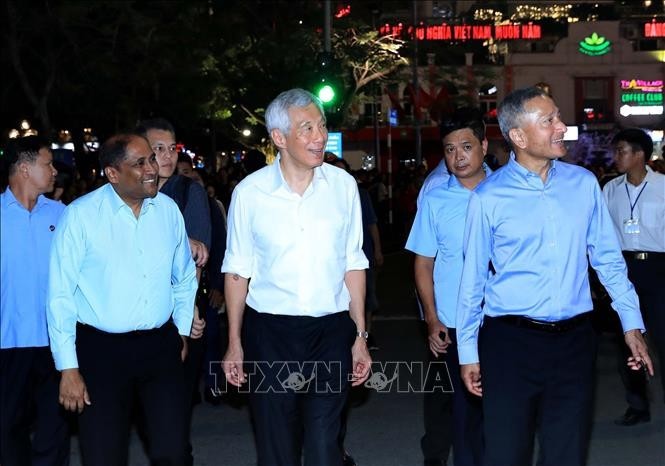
151	167
321	133
562	126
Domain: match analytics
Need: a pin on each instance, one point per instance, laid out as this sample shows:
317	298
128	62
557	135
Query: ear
517	137
111	174
484	145
22	168
278	138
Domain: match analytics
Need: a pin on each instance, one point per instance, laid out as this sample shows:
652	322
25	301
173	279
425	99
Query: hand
436	344
232	365
216	298
198	325
73	392
471	378
378	258
361	362
199	252
185	348
639	350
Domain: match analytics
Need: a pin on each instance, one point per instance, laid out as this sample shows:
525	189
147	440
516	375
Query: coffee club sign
641	97
463	32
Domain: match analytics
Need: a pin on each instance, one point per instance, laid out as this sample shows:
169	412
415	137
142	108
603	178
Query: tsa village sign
456	32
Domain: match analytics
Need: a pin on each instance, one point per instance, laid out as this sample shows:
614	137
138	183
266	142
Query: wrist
362	335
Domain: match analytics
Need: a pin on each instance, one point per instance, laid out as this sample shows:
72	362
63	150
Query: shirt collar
277	181
523	172
9	199
650	176
117	203
453	182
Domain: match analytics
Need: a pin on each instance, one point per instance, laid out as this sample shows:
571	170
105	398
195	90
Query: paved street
385	428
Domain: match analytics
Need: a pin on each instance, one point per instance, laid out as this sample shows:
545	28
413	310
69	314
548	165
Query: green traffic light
326	93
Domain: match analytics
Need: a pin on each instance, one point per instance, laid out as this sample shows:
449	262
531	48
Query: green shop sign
595	45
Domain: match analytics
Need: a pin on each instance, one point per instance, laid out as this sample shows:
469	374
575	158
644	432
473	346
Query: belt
131	334
643	255
559	326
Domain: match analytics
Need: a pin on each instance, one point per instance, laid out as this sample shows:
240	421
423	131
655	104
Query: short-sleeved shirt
25	243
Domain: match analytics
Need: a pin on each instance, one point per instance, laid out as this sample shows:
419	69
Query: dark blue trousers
536	383
298	381
453	418
29	388
120	370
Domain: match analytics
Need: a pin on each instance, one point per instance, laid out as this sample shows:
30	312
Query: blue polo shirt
438	231
25	242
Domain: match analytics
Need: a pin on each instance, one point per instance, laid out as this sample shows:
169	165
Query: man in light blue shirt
436	238
120	304
27	375
534	222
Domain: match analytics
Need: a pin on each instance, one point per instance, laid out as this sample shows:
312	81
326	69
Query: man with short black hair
636	201
28	221
120	305
436	238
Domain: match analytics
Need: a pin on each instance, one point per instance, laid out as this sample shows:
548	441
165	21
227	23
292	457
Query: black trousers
648	276
452	418
536	382
298	381
119	369
29	388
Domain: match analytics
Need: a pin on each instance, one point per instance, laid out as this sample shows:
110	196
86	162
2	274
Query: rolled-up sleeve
355	257
474	277
239	246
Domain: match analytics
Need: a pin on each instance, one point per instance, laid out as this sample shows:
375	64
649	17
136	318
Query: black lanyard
632	205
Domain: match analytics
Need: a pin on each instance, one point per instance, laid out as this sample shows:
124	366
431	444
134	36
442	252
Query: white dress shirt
295	249
648	209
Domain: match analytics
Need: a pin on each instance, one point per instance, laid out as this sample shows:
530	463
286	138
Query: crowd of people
111	305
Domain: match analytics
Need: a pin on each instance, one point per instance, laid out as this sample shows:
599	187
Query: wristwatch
364	335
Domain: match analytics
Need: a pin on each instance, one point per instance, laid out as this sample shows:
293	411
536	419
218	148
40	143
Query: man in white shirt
295	230
636	201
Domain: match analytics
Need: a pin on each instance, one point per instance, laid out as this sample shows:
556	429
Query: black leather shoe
212	396
348	460
633	416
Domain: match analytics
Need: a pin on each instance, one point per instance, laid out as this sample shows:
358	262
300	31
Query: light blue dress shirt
116	272
438	231
25	241
537	236
437	177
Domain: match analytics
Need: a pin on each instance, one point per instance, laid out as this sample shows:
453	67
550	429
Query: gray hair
277	113
511	109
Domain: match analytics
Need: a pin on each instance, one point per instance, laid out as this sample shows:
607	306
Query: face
185	169
305	143
464	153
41	173
627	159
540	134
135	178
163	144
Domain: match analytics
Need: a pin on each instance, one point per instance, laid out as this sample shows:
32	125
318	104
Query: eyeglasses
162	149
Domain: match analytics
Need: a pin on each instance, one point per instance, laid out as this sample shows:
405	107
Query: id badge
631	226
